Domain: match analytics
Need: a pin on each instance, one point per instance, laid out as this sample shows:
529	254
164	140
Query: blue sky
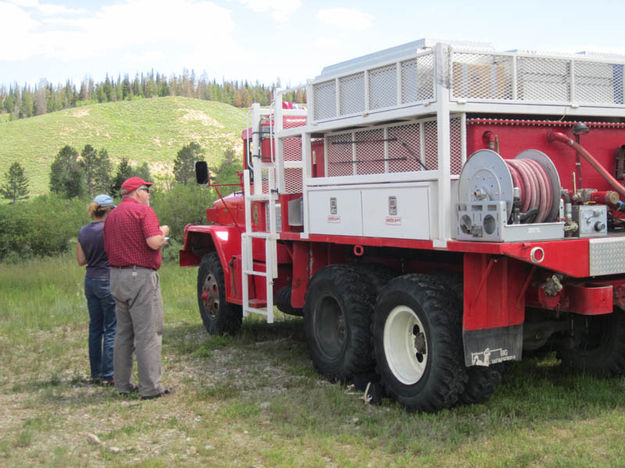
269	39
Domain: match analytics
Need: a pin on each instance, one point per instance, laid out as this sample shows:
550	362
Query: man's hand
157	242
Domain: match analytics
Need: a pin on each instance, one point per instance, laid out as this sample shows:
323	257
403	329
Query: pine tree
66	178
184	164
124	171
96	167
16	184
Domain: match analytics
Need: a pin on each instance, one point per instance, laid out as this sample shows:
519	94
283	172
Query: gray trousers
139	311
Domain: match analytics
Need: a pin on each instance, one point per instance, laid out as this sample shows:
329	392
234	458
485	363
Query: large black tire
219	316
418	343
377	274
482	381
337	322
601	351
283	302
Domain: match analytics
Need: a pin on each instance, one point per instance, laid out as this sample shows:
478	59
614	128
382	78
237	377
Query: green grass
254	399
141	130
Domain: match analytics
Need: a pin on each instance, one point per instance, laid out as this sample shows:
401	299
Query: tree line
46	224
28	101
76	175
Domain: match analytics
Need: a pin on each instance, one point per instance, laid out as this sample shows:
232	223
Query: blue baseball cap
104	200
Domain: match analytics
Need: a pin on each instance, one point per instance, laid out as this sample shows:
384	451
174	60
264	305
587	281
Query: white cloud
346	18
16	33
280	10
47	8
139	26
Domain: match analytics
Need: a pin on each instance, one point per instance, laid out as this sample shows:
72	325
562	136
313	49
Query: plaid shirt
125	230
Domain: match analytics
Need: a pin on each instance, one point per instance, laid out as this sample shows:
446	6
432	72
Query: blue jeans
102	324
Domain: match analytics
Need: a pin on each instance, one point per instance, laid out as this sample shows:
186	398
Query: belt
133	267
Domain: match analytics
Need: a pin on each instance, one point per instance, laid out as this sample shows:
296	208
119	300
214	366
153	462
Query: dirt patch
193	115
78	113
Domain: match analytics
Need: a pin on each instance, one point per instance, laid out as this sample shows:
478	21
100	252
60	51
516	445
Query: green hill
142	130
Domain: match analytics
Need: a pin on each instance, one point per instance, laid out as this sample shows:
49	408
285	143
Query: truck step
254	272
256	305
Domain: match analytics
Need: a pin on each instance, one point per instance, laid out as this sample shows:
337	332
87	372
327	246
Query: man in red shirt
133	240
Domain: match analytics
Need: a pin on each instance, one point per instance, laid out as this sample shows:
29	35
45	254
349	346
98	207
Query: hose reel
499	199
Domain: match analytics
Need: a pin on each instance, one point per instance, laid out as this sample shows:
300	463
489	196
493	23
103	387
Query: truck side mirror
202	176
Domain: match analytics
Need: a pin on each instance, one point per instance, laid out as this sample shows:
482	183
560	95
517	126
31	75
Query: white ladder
268	194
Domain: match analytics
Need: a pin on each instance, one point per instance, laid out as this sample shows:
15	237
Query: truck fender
200	240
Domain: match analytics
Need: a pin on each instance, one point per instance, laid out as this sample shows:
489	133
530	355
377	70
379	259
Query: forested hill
141	130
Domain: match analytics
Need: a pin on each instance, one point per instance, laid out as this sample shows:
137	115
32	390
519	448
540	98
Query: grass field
141	130
254	400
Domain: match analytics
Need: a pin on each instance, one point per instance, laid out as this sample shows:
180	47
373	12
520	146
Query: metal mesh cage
292	153
480	76
293	180
339	155
292	149
455	150
265	180
392	148
425	77
352	93
404	145
431	144
598	82
324	103
370	151
543	79
409	81
383	87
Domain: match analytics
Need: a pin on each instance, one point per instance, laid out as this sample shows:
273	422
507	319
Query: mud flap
492	345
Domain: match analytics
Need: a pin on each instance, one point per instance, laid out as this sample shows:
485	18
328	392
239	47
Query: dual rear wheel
406	332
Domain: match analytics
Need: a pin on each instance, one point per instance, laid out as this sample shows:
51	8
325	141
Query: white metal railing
469	75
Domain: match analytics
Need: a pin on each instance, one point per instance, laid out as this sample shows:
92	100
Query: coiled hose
534	186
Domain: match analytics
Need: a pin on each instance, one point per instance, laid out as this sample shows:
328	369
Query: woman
90	252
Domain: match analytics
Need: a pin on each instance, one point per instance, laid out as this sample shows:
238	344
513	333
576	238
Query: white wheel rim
405	345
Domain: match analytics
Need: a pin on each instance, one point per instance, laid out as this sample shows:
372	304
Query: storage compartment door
398	213
335	211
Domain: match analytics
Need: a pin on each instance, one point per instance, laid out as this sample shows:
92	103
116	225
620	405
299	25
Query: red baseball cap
132	184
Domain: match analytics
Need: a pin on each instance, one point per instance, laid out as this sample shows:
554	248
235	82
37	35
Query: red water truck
435	210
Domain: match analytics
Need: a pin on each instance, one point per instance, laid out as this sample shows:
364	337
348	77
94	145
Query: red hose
534	186
562	138
546	199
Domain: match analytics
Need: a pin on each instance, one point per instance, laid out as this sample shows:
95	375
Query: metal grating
391	149
409	80
539	79
455	141
265	180
383	87
431	144
404	145
543	79
292	153
292	149
598	82
339	155
293	180
324	96
352	93
370	152
480	76
425	77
